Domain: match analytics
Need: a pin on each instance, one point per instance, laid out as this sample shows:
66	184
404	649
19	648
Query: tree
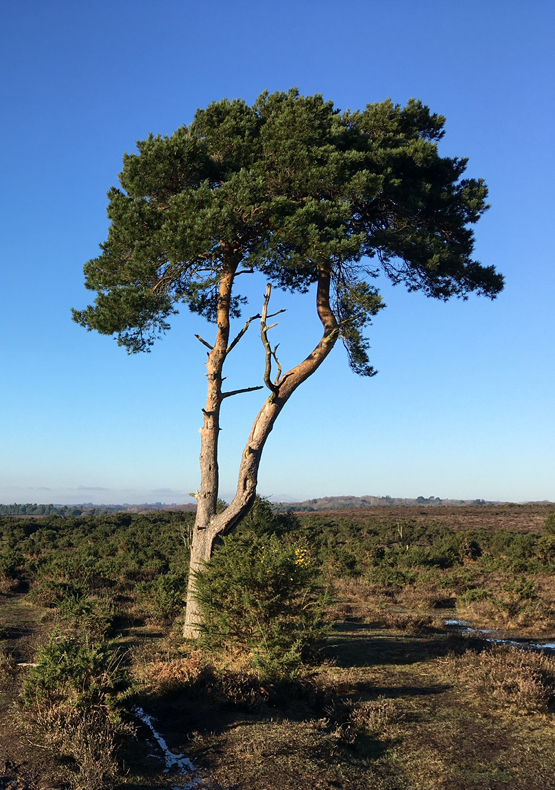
306	195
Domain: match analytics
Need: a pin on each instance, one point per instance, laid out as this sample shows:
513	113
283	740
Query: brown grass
506	678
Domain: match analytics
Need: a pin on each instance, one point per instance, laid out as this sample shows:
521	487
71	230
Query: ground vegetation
386	695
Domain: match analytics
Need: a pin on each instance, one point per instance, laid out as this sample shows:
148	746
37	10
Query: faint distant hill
353	502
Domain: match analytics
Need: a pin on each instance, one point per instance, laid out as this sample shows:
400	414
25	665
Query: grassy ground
395	701
384	710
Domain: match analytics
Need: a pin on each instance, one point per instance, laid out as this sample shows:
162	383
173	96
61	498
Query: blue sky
463	405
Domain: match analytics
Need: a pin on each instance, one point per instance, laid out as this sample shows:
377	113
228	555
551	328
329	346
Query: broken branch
239	392
204	343
241	333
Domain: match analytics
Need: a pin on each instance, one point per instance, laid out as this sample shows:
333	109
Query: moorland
327	660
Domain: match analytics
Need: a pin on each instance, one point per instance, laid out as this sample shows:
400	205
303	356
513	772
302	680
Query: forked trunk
208	524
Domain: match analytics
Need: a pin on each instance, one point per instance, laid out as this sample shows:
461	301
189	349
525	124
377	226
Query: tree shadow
359	645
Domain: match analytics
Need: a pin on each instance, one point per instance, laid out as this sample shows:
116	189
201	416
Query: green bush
259	594
387	576
164	597
521	588
95	616
73	702
549	525
474	595
10	564
78	672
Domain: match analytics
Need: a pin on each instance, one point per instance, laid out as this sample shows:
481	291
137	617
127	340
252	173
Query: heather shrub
505	677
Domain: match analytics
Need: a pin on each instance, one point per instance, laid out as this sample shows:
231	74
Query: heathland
327	659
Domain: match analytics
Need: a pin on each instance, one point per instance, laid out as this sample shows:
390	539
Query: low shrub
549	525
164	597
51	592
73	700
385	576
78	672
260	595
11	563
505	677
473	595
95	616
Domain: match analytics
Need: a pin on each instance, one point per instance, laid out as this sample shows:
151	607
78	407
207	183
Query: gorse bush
260	595
164	597
74	699
76	671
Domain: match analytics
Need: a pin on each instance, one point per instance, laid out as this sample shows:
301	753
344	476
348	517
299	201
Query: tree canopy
287	187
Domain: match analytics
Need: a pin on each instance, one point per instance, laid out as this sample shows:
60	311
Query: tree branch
204	343
264	328
278	374
241	333
239	392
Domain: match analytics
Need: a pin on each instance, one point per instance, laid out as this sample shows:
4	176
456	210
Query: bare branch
264	328
241	333
276	360
204	343
239	392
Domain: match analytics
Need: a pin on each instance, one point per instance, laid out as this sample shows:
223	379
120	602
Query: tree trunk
207	529
207	497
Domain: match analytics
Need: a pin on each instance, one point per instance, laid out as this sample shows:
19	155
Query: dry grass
88	740
521	518
161	676
506	678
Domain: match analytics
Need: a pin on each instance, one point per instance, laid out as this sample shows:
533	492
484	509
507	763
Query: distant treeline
29	509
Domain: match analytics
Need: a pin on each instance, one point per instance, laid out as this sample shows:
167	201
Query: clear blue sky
464	402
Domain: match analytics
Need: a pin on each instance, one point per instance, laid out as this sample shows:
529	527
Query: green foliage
164	597
259	594
549	525
11	561
75	700
77	671
387	576
96	616
474	595
286	187
521	588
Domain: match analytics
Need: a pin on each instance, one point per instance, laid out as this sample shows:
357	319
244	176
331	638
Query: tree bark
207	497
207	529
